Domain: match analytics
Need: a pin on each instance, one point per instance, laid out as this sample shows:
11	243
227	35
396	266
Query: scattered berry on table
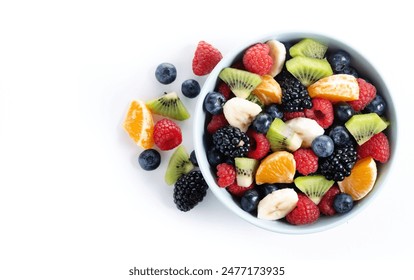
189	190
261	122
343	112
275	111
238	191
321	111
306	161
231	141
326	204
213	103
340	135
259	145
339	60
323	146
305	212
378	147
166	73
343	203
149	159
257	60
338	165
216	122
295	97
226	175
190	88
377	105
193	158
167	134
249	200
206	57
367	93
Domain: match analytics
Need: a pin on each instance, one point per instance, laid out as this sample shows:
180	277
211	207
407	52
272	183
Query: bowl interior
365	70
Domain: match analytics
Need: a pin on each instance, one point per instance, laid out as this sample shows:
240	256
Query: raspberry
224	89
259	145
322	112
167	134
226	175
306	161
326	204
238	191
293	115
217	122
367	93
306	212
257	59
377	147
206	57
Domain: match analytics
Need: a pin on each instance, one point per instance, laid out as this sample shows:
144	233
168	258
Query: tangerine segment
139	124
278	167
268	91
339	87
362	179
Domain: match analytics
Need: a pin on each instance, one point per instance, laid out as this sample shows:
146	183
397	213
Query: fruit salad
295	132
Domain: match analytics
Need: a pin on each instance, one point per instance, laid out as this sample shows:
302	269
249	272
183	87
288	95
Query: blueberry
376	106
193	158
275	111
213	103
249	200
349	71
214	157
343	112
149	159
166	73
268	189
340	135
343	203
190	88
339	60
261	122
323	146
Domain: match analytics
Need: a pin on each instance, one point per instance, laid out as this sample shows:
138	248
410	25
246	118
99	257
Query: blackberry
295	96
231	141
338	165
189	190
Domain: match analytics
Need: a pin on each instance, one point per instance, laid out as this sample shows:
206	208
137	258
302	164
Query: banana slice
277	204
278	54
240	112
307	129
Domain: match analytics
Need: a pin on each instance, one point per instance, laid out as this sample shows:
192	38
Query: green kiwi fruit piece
314	186
241	82
364	126
246	170
309	48
169	105
281	137
178	165
308	70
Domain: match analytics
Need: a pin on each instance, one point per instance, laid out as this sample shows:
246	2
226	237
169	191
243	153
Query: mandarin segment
139	124
268	91
278	167
339	87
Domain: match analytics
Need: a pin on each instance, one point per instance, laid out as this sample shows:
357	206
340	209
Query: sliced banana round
277	204
278	54
240	112
307	129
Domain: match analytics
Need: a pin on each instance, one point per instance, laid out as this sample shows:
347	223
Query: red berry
167	134
217	122
306	161
305	212
226	175
322	112
326	204
259	145
293	115
367	93
238	191
257	59
206	57
377	147
224	89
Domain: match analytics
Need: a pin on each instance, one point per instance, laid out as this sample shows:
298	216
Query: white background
74	203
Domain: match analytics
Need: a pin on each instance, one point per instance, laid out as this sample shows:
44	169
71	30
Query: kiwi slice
308	70
169	105
246	170
241	82
281	137
309	48
178	165
364	126
253	98
314	186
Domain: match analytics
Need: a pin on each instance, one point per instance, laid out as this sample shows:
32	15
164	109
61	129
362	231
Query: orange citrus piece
362	179
139	124
339	87
278	167
268	91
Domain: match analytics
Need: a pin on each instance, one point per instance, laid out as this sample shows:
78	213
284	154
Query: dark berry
338	165
261	122
323	146
275	111
339	60
193	158
343	203
190	88
249	200
268	189
295	97
343	112
340	135
376	106
213	103
166	73
214	157
231	141
149	159
189	190
349	71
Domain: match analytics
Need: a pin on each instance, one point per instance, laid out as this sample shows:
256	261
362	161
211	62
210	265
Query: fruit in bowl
295	132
